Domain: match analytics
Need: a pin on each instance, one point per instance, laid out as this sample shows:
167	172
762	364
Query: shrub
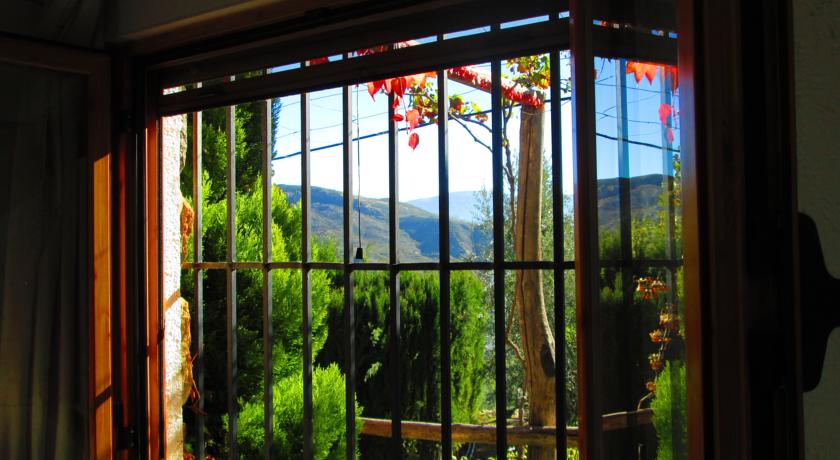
671	434
328	434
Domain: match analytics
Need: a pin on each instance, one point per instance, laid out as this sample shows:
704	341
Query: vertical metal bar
306	256
668	179
268	332
627	317
198	280
230	128
394	280
349	317
498	259
559	251
586	228
443	231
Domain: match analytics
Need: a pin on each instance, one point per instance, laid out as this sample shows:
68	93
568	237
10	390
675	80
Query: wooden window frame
717	365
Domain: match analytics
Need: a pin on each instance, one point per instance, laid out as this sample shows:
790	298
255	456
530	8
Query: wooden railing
486	434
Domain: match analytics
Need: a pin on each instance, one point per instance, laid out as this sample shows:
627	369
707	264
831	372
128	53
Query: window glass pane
642	357
286	179
189	378
249	362
249	163
329	363
563	104
187	191
214	184
570	337
327	170
419	365
370	212
530	359
215	363
526	150
374	367
470	164
472	345
419	173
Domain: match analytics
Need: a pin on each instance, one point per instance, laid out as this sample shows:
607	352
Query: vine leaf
413	118
374	87
642	69
413	140
664	113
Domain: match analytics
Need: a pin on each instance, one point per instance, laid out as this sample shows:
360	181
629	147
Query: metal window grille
283	84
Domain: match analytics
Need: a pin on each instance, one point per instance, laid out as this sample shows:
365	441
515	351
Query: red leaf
396	102
675	77
387	83
669	133
399	84
413	140
374	87
650	72
397	117
413	118
664	113
639	69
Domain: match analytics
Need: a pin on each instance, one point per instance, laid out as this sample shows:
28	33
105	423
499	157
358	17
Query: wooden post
529	300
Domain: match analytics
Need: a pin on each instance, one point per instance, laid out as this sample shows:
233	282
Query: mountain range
418	237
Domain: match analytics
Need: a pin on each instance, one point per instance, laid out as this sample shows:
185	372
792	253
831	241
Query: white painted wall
817	60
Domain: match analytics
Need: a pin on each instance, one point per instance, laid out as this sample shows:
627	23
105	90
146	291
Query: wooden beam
486	434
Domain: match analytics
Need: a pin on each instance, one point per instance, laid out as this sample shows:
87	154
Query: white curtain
43	276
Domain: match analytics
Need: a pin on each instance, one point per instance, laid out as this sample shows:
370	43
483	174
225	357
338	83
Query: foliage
670	400
420	348
287	357
328	418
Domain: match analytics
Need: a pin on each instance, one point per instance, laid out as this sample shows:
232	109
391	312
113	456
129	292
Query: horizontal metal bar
417	266
528	265
471	265
223	265
392	25
420	266
499	44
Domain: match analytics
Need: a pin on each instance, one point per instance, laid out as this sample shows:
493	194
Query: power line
381	133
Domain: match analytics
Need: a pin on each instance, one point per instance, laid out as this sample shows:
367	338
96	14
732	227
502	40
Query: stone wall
174	131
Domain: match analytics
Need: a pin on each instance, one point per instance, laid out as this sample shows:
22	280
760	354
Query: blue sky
470	162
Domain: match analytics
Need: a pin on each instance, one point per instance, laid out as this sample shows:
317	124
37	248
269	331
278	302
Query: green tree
420	360
287	350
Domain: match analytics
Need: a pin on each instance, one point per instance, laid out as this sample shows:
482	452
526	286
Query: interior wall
131	19
817	61
138	20
69	22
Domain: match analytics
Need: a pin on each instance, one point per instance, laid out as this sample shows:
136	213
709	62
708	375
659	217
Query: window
366	277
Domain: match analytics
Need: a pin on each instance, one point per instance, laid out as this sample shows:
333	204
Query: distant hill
644	199
461	205
419	235
418	238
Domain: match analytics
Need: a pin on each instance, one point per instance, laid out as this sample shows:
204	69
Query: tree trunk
537	338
